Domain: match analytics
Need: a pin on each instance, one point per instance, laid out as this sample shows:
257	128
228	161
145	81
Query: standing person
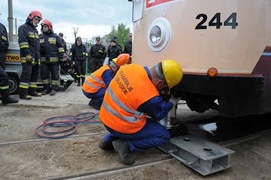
128	46
29	53
95	85
97	55
113	50
64	44
132	119
51	52
4	86
79	55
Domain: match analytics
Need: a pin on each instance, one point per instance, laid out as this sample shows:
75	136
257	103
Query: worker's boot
33	92
46	89
106	145
78	81
122	147
24	95
53	91
6	99
83	80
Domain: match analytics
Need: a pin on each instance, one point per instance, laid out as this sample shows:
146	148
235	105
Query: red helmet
35	13
48	23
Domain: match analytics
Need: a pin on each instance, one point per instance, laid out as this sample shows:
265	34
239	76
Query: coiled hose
63	126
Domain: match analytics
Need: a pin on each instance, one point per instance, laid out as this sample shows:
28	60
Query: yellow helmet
172	71
121	59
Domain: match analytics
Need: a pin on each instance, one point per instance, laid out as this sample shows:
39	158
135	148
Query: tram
223	46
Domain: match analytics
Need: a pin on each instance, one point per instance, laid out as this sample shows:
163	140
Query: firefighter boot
24	95
122	147
53	91
78	81
46	89
33	92
6	99
83	80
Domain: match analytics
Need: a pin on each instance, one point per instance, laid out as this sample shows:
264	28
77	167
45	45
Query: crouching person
95	85
132	108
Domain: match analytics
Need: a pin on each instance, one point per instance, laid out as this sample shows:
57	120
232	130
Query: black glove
165	94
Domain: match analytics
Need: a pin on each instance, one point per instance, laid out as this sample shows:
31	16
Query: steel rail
113	171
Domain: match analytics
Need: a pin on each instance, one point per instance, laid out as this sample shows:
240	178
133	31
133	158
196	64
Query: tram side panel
233	36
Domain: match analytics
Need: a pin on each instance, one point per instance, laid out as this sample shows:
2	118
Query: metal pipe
10	20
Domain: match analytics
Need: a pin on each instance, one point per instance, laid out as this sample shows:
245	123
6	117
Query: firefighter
113	51
63	42
79	56
95	85
51	52
97	55
128	45
29	53
132	108
4	87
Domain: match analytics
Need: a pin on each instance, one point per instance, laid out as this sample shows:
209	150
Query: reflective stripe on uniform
4	87
24	45
24	85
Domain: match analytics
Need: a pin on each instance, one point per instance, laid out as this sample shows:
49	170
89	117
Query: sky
91	17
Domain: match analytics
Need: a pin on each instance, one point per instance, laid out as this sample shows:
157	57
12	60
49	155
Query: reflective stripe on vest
95	81
126	92
136	115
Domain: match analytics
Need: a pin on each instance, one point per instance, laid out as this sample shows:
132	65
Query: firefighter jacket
3	38
29	42
51	48
95	81
124	96
97	51
78	53
113	52
128	48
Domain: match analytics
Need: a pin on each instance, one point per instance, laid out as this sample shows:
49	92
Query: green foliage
121	33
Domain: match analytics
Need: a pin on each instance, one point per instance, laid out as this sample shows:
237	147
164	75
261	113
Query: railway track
108	171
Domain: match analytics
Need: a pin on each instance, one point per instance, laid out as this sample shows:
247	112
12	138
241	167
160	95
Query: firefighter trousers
28	79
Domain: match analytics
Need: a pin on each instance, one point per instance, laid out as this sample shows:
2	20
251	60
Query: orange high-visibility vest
95	81
130	88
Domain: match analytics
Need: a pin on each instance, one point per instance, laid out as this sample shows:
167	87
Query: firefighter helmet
35	13
172	71
48	23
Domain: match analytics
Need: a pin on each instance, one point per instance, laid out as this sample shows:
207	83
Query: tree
75	31
121	33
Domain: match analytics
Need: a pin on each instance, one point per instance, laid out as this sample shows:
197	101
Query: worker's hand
165	94
29	59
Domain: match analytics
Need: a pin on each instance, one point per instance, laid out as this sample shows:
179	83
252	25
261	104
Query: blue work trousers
153	134
96	97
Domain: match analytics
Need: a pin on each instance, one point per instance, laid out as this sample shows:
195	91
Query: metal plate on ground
199	154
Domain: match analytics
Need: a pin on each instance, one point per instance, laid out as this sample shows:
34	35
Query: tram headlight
159	34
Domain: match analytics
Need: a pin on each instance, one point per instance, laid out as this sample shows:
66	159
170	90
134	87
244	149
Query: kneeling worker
132	108
95	85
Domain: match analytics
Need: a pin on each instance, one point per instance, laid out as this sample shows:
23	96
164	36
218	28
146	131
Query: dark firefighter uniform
4	86
97	55
51	51
113	50
79	56
30	56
